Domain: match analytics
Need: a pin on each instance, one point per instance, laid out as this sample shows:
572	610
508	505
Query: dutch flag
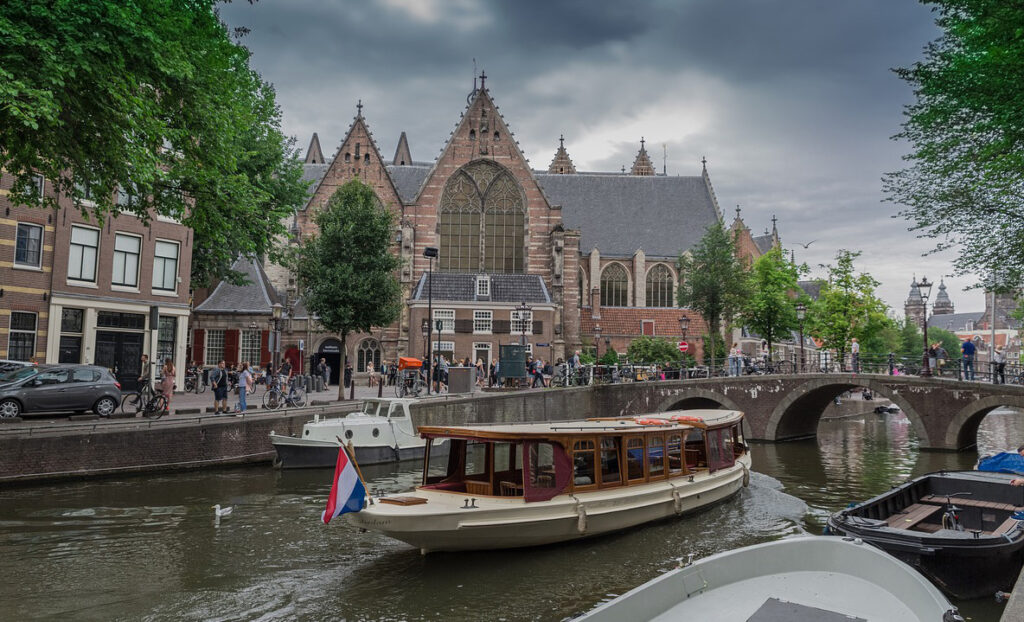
347	492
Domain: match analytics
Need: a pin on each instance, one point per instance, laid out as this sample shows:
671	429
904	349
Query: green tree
847	307
948	340
713	281
609	357
153	97
962	185
770	307
346	272
648	350
911	341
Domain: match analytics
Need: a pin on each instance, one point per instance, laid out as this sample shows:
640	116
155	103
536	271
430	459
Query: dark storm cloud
792	101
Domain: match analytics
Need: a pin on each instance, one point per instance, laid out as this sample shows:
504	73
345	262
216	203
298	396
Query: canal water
148	547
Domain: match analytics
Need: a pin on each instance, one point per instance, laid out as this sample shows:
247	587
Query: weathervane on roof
704	163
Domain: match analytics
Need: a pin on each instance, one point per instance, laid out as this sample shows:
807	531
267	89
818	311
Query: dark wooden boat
957	528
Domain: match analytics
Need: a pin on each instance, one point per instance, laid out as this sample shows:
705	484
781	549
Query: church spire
314	155
403	157
562	164
642	164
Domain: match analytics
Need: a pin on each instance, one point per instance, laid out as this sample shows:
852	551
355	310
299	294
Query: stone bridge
945	413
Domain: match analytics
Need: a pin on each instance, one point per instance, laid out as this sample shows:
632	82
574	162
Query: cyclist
285	372
146	373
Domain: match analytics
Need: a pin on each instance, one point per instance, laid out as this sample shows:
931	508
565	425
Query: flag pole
352	456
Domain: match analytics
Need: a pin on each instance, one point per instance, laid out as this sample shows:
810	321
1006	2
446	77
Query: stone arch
962	431
696	397
798	413
610	269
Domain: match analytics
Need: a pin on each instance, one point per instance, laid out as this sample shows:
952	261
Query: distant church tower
943	305
913	308
642	164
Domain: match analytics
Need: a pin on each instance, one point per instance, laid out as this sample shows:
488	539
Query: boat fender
746	475
677	500
581	519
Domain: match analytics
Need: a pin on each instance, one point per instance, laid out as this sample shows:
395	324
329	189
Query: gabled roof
562	163
763	242
811	288
955	321
315	155
461	287
408	180
313	173
402	154
257	296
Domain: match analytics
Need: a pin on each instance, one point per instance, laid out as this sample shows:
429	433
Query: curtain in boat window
539	458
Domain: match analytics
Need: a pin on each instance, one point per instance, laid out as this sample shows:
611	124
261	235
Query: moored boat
528	484
801	579
381	431
959	528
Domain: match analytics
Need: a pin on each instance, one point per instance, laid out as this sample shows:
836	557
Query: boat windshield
370	408
19	374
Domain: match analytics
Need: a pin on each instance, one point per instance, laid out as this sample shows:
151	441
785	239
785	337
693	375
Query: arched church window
368	352
348	157
366	158
497	136
659	287
614	286
472	134
503	226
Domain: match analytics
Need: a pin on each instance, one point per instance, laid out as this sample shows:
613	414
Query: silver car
55	388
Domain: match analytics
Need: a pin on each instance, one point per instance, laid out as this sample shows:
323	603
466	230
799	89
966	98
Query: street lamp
425	328
597	341
275	320
430	253
926	289
684	323
801	313
522	309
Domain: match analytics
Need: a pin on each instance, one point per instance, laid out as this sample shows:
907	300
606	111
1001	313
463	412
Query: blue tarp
1006	462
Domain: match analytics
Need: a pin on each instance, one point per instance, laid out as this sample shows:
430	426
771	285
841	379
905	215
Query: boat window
737	437
508	468
718	456
610	466
442	468
696	454
635	457
656	455
583	461
675	453
542	465
397	410
370	408
476	461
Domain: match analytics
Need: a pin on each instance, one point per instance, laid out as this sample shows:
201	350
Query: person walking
855	355
999	363
145	371
245	382
324	372
932	353
370	375
167	383
480	373
219	384
735	361
968	350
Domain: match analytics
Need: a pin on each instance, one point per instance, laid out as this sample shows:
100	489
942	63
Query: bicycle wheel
784	367
190	384
131	403
400	389
272	399
297	398
155	407
200	385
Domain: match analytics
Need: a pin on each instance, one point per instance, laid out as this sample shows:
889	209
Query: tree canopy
146	107
847	307
346	273
964	183
770	306
647	349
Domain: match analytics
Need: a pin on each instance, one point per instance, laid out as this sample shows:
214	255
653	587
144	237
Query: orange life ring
686	418
642	421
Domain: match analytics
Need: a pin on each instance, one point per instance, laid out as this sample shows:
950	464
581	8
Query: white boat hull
444	524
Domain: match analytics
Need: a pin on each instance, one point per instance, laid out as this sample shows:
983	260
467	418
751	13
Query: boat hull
295	453
443	524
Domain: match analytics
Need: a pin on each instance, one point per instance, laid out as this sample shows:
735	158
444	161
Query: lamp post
926	289
275	321
430	253
597	342
522	309
801	313
684	324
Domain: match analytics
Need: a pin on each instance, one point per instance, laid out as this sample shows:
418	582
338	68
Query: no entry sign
683	346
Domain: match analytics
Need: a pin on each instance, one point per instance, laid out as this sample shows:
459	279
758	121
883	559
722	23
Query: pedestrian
735	360
145	371
324	371
967	349
392	373
219	384
999	361
940	357
932	353
494	372
370	375
167	382
244	384
855	354
480	373
348	374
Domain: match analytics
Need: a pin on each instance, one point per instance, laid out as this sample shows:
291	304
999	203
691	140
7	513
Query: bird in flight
806	245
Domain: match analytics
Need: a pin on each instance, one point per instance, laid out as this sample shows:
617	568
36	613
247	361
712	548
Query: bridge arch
798	413
690	398
962	431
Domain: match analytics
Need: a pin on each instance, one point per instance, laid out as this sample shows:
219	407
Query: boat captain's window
720	456
542	465
696	454
370	408
610	465
583	461
675	454
635	457
656	455
476	461
397	410
508	468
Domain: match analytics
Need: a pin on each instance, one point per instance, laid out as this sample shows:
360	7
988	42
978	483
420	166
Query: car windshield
19	374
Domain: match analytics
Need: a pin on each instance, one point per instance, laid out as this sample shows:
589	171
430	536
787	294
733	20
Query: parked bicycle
277	397
194	382
145	402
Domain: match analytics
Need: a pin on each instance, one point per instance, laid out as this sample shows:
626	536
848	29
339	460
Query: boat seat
971	503
1007	525
911	515
511	489
478	488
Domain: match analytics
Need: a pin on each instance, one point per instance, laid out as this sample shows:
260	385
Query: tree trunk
344	365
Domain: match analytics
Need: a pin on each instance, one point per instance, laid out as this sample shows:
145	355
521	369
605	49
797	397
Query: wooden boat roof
702	418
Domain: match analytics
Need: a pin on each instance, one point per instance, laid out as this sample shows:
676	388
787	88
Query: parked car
56	388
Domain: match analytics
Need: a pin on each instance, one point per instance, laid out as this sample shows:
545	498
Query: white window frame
40	185
42	239
160	264
212	347
87	198
483	322
529	348
20	331
524	321
247	351
81	255
483	286
447	317
126	198
124	268
444	346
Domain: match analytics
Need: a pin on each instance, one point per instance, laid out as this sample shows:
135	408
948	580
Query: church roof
955	321
314	154
402	153
763	242
256	296
408	179
642	164
562	163
619	214
313	173
811	288
461	287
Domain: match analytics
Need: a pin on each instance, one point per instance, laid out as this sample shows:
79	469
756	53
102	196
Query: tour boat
960	529
381	431
529	484
800	579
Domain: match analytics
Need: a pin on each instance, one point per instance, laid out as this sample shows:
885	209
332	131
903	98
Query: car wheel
9	408
105	406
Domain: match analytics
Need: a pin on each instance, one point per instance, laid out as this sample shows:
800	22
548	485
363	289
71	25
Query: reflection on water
148	548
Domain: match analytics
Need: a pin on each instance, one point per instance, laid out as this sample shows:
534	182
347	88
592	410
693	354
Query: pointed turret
913	308
402	155
943	305
642	164
562	164
314	155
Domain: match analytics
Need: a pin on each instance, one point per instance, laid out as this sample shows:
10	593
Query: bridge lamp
925	288
431	253
684	323
801	313
597	341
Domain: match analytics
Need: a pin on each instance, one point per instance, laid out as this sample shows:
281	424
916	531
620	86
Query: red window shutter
648	327
231	346
199	345
264	348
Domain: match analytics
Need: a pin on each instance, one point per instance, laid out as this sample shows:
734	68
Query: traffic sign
683	346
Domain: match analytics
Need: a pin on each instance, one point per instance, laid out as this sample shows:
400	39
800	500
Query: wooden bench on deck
477	488
910	516
971	503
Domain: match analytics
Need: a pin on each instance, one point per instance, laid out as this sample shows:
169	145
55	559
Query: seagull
220	512
806	246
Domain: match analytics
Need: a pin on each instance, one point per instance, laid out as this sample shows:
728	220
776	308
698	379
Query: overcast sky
793	102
